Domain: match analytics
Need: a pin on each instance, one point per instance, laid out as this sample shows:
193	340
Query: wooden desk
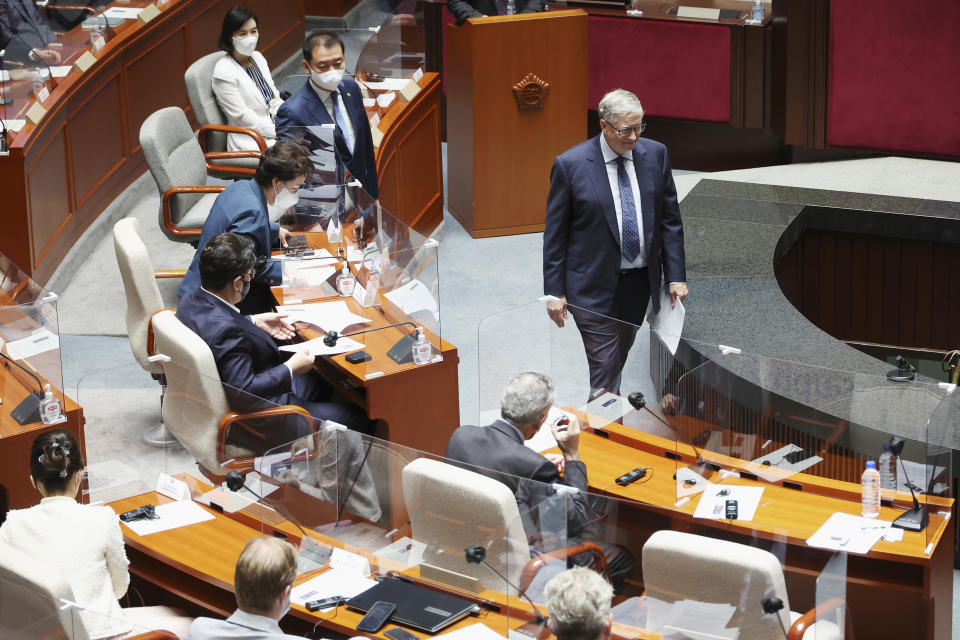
419	404
62	173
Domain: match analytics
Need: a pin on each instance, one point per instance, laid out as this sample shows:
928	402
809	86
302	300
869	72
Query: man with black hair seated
244	349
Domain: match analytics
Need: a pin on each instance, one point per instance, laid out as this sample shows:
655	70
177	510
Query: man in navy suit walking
248	360
330	98
612	229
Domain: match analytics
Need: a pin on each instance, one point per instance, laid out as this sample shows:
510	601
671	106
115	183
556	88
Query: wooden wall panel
419	152
874	289
204	28
48	189
155	80
97	140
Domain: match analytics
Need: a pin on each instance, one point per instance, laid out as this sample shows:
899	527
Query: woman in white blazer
242	82
81	543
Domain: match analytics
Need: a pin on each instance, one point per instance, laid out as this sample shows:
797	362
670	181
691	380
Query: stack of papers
329	316
333	582
413	297
846	532
40	341
316	347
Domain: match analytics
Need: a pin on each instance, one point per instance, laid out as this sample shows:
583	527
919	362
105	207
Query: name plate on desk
698	12
172	488
84	62
409	91
35	114
376	135
147	14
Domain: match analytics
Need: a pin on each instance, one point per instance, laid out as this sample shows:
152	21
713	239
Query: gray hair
526	395
578	602
619	102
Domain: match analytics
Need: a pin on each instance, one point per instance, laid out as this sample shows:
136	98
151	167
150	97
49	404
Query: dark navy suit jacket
304	109
247	358
581	238
23	20
241	208
497	451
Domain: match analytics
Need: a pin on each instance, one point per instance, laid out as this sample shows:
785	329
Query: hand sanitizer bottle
346	281
756	12
422	350
49	408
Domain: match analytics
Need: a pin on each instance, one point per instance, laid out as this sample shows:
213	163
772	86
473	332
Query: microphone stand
28	411
917	518
477	554
638	402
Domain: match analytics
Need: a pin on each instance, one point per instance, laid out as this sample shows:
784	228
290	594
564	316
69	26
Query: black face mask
245	290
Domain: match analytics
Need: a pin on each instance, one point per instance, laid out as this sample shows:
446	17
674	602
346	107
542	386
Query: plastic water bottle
888	472
756	12
870	490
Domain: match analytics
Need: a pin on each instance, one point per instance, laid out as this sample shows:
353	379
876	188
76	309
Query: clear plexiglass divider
30	347
934	487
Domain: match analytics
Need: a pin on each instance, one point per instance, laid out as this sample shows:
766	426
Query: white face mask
328	80
282	201
246	46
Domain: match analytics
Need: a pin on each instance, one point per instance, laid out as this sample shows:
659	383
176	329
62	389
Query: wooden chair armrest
169	273
151	349
804	622
270	412
157	634
168	196
226	128
227	155
540	561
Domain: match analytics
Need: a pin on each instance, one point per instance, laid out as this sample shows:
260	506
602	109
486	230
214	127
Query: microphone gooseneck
332	336
477	554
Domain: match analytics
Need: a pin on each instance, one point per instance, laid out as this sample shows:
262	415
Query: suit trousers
607	340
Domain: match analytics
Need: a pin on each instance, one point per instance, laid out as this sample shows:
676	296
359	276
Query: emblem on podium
531	92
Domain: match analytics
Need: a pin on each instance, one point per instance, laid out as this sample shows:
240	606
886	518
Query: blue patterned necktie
502	7
339	118
630	240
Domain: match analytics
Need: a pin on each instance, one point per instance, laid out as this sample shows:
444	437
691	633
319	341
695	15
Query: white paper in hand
668	323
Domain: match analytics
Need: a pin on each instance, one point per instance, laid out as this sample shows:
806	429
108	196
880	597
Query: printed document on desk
413	297
712	504
172	515
40	341
316	347
847	532
691	619
329	316
333	582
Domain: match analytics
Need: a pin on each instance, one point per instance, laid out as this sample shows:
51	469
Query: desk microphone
638	402
477	554
914	519
28	411
332	336
774	605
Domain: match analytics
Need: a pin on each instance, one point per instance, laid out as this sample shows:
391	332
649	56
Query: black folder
417	607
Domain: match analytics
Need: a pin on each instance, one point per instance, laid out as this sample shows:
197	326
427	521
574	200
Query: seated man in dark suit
497	451
244	349
25	34
330	98
463	9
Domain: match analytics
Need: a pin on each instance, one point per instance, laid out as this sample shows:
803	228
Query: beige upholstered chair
196	409
452	508
143	300
30	602
179	168
678	566
213	123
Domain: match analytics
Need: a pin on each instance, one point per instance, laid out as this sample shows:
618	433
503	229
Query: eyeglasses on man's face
624	132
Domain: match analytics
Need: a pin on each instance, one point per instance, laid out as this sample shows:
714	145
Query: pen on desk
682	501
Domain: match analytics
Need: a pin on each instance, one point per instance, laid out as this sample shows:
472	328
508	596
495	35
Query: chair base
158	437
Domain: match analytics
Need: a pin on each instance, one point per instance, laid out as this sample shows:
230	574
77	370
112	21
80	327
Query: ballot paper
388	84
713	502
668	323
543	439
475	631
172	515
850	533
414	297
14	125
329	316
316	347
333	582
691	619
40	341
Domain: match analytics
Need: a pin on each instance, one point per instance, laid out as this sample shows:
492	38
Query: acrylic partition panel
831	612
27	611
29	344
935	494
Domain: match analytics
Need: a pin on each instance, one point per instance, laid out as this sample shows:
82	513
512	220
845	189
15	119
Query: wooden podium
516	98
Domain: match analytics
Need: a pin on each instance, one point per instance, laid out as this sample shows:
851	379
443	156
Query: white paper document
40	341
60	71
774	466
322	256
388	84
308	274
713	502
316	347
122	13
850	533
610	407
543	439
691	619
14	125
173	515
668	324
328	584
329	316
476	631
413	297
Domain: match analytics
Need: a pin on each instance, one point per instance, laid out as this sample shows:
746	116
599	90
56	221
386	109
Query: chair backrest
684	566
195	400
174	157
139	286
452	508
199	81
292	83
30	594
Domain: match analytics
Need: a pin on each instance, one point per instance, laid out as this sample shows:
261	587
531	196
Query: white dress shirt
84	545
240	626
242	102
326	97
610	160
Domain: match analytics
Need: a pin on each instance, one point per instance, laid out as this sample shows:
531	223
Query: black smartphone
297	242
323	603
627	478
358	356
731	509
796	456
399	633
378	615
